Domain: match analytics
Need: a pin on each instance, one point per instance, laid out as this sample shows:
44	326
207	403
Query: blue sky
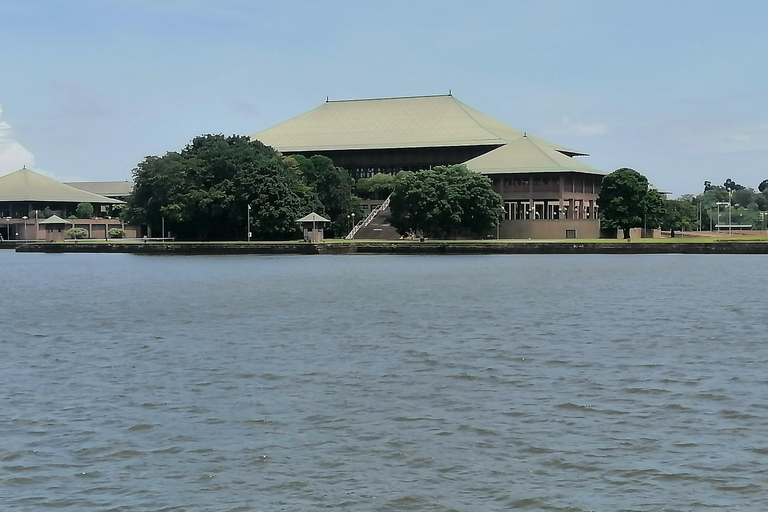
675	89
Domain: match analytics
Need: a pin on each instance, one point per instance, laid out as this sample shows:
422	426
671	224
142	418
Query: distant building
112	189
28	198
546	192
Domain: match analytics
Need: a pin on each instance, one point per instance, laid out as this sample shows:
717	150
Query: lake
383	383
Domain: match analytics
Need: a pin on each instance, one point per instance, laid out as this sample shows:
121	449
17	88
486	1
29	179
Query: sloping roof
27	185
313	217
104	188
414	122
527	154
54	219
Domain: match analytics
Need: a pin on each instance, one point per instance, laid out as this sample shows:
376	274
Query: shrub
84	210
77	233
116	233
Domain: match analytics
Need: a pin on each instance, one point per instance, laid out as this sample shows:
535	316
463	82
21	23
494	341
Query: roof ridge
461	106
392	98
540	150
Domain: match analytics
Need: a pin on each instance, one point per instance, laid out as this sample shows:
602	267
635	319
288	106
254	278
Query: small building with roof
546	191
313	226
29	200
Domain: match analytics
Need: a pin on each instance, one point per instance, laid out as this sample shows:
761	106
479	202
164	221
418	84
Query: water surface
383	383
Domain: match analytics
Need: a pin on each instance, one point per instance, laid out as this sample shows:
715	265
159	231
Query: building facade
545	190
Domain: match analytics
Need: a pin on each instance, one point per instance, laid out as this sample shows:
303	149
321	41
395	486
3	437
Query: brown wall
548	229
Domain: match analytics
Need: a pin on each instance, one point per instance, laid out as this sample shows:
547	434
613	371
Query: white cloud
569	127
723	139
13	156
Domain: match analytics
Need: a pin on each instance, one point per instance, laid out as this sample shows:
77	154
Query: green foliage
116	233
627	202
84	211
77	233
378	186
680	215
204	190
746	202
332	188
444	202
743	197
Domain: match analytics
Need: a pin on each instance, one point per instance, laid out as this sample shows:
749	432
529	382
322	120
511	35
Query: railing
363	223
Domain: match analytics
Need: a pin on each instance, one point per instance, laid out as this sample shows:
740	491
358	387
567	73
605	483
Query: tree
203	191
627	202
332	187
731	185
444	202
84	210
679	215
378	186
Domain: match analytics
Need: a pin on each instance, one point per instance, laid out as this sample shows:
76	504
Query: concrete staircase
376	225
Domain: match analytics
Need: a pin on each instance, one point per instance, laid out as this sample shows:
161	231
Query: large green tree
680	214
444	202
203	191
626	201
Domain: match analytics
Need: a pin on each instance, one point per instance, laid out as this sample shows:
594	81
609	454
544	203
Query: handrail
363	223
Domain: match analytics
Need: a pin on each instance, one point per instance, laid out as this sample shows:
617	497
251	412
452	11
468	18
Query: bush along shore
405	247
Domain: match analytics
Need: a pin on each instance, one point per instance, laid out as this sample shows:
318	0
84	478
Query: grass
762	237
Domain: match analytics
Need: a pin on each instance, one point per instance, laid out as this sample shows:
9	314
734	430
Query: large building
36	207
545	190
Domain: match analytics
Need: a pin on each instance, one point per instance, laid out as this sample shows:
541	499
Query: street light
248	223
25	226
718	214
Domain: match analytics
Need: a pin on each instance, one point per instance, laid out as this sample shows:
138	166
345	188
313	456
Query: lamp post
8	219
700	216
25	226
719	203
248	223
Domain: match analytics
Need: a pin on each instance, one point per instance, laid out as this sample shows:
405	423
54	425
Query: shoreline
388	247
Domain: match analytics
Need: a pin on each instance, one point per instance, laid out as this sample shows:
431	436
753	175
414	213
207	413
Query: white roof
313	217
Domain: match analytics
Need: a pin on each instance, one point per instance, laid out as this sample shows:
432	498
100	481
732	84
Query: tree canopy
626	201
333	189
444	202
747	205
679	214
84	210
378	186
203	191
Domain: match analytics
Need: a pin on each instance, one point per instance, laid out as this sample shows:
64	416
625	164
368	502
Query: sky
677	90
